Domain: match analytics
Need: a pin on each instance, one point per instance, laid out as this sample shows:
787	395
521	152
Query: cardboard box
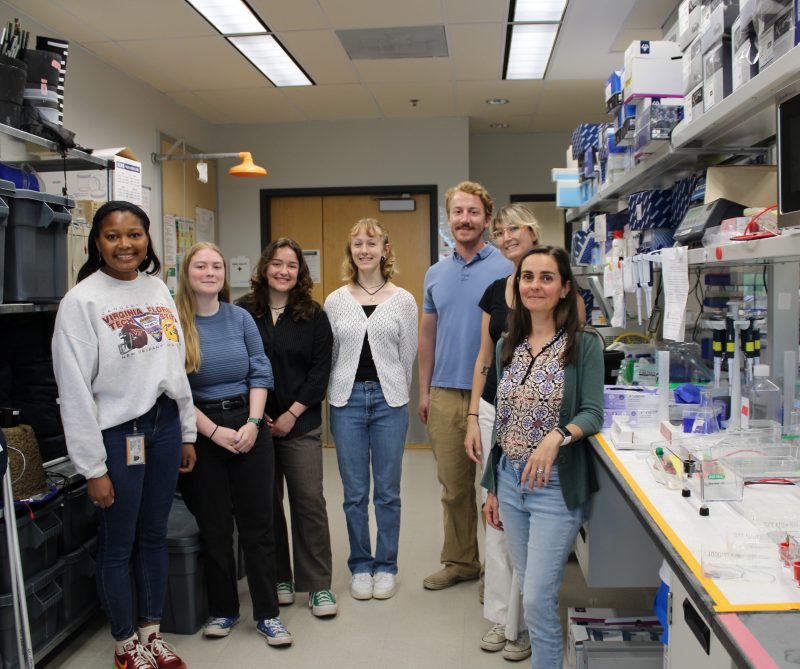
719	24
717	73
632	637
688	22
126	179
750	185
776	37
692	63
653	69
744	54
693	107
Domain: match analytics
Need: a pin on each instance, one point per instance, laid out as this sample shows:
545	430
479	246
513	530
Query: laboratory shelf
51	159
28	308
784	248
747	115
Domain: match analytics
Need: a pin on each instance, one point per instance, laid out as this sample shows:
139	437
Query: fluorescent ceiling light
538	10
267	54
529	52
230	17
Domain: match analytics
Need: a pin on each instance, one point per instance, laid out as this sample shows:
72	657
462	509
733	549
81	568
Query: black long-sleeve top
300	353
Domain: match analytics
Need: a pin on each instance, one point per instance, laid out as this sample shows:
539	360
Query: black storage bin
186	605
79	584
6	193
36	247
43	595
79	517
38	542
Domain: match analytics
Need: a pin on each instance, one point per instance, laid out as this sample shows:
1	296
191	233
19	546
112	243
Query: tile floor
419	628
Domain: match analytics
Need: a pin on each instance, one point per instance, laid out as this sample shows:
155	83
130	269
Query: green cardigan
581	405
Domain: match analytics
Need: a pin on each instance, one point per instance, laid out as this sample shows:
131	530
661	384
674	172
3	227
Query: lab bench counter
730	632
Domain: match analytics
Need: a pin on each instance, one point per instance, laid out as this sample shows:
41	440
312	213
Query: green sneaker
285	593
322	603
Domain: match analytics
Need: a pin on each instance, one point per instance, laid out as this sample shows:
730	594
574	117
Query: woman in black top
298	341
514	231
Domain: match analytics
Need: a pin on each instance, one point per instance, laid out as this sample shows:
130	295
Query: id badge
134	445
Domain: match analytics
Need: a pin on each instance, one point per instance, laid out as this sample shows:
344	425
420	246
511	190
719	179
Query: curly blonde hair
372	228
473	188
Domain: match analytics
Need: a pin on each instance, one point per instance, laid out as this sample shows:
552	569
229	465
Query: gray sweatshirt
117	347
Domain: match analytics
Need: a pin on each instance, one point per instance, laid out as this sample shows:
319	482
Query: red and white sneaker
163	654
134	656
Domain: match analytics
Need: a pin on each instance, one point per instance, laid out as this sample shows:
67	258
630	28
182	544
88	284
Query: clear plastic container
763	405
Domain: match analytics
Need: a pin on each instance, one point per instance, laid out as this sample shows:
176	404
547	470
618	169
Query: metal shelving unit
51	158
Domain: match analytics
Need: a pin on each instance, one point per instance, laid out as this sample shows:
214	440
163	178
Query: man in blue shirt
448	344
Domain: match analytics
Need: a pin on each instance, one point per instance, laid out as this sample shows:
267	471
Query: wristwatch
256	421
564	432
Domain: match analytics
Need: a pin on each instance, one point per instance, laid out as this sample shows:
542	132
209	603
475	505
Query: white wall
106	108
516	164
333	154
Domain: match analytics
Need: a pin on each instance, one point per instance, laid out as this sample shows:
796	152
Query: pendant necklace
373	293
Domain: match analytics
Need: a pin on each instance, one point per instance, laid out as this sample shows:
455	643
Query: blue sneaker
276	633
218	627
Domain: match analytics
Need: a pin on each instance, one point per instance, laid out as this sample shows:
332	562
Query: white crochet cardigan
392	333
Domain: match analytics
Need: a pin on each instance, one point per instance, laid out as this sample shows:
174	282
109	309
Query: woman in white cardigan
374	325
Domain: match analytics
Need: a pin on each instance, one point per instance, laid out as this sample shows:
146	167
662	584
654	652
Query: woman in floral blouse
539	475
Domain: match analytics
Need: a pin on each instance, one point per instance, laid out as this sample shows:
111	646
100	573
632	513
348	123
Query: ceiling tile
162	79
477	51
294	15
434	99
321	55
143	19
254	105
522	97
584	96
518	124
200	107
404	70
58	20
333	102
370	14
476	11
192	64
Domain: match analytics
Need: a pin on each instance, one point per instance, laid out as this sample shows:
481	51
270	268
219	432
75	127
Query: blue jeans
134	528
540	531
366	426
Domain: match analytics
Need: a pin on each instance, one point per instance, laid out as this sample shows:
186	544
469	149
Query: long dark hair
151	264
300	304
565	314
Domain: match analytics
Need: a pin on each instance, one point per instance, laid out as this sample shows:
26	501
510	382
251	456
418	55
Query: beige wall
343	153
516	164
105	108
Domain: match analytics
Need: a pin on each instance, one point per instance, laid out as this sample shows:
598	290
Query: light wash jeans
502	601
367	427
540	531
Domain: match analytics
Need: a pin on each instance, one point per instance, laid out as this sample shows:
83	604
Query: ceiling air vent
381	43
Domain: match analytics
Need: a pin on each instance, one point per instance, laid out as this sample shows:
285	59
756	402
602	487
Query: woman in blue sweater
230	377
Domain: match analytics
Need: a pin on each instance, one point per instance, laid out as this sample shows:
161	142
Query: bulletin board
184	198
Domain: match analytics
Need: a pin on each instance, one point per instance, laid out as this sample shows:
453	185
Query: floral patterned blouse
529	397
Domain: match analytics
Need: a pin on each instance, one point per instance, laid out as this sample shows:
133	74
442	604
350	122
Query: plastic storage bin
6	193
36	247
78	515
80	589
38	542
43	594
186	605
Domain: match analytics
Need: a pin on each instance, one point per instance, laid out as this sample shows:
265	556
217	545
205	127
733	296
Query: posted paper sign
240	272
675	275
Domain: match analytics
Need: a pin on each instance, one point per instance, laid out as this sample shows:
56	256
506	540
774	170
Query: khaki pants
447	417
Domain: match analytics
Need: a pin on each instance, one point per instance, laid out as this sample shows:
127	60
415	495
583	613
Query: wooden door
324	223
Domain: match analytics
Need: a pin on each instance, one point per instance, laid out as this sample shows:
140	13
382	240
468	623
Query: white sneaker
385	585
361	586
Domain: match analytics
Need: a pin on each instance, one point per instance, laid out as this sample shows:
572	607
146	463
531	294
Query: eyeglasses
499	232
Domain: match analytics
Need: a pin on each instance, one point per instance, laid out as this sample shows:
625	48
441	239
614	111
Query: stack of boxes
725	43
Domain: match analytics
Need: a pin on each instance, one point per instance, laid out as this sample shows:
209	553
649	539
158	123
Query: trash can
36	247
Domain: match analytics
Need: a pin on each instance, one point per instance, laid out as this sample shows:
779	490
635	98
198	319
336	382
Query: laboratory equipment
763	404
703	216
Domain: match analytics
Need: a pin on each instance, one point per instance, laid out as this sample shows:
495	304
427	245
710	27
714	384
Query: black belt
236	402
